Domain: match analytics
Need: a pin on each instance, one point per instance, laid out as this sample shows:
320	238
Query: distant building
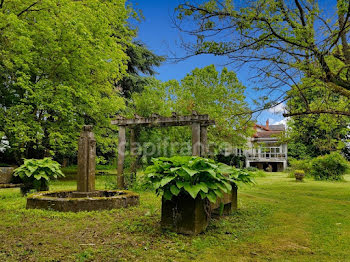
264	149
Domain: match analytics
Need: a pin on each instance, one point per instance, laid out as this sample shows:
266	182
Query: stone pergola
198	122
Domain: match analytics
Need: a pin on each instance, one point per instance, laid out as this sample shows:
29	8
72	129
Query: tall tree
58	60
284	40
140	66
205	90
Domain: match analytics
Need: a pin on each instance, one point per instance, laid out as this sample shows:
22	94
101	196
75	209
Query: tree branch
27	9
317	112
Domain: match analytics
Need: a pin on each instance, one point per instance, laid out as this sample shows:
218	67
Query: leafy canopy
314	135
205	90
58	61
282	40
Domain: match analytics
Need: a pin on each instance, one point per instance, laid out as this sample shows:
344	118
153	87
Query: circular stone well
74	201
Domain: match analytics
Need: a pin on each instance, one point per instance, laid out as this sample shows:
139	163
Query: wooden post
196	139
86	161
121	156
204	141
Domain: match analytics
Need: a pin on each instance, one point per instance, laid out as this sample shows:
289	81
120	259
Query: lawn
278	220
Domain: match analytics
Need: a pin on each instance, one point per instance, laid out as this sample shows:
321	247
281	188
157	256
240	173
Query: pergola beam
161	121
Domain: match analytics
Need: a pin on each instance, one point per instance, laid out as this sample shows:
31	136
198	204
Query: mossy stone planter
299	176
185	215
227	204
66	201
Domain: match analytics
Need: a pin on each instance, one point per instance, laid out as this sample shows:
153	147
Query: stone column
86	161
196	139
121	156
204	141
133	151
285	165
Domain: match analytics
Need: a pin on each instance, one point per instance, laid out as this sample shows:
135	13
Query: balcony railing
267	155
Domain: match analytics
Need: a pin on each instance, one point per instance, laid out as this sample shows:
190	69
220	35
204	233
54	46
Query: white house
264	150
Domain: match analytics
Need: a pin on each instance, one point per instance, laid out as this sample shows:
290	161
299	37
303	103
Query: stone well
66	201
86	198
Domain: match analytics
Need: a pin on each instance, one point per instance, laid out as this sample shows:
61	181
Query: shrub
329	167
259	173
36	174
231	159
304	164
193	176
252	169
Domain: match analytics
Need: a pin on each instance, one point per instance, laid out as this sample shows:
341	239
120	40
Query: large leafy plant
37	173
194	176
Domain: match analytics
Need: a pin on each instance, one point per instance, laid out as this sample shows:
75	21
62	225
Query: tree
140	65
57	63
205	90
316	134
284	40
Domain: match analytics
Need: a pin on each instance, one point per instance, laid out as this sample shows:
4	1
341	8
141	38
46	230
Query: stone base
10	185
71	201
86	194
185	215
228	201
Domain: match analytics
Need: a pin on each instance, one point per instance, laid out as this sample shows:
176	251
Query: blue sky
158	33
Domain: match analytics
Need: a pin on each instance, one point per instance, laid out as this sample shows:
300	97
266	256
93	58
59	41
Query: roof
266	134
277	127
268	131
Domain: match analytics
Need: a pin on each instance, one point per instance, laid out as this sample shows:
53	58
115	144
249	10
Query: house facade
264	150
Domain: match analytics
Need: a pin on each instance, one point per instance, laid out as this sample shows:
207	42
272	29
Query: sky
159	34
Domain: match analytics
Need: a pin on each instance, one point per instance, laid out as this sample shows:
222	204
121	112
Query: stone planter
299	176
27	186
6	174
185	215
226	204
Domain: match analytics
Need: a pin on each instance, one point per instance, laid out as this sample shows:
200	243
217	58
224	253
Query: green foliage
58	63
315	135
301	172
304	164
231	159
329	167
140	65
205	90
252	169
193	176
280	39
257	173
37	173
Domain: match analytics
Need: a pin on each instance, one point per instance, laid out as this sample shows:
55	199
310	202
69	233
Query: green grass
278	220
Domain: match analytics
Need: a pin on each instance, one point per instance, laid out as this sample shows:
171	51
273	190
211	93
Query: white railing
266	155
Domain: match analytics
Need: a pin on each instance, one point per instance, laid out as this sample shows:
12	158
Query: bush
231	159
36	174
193	176
304	164
252	169
329	167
